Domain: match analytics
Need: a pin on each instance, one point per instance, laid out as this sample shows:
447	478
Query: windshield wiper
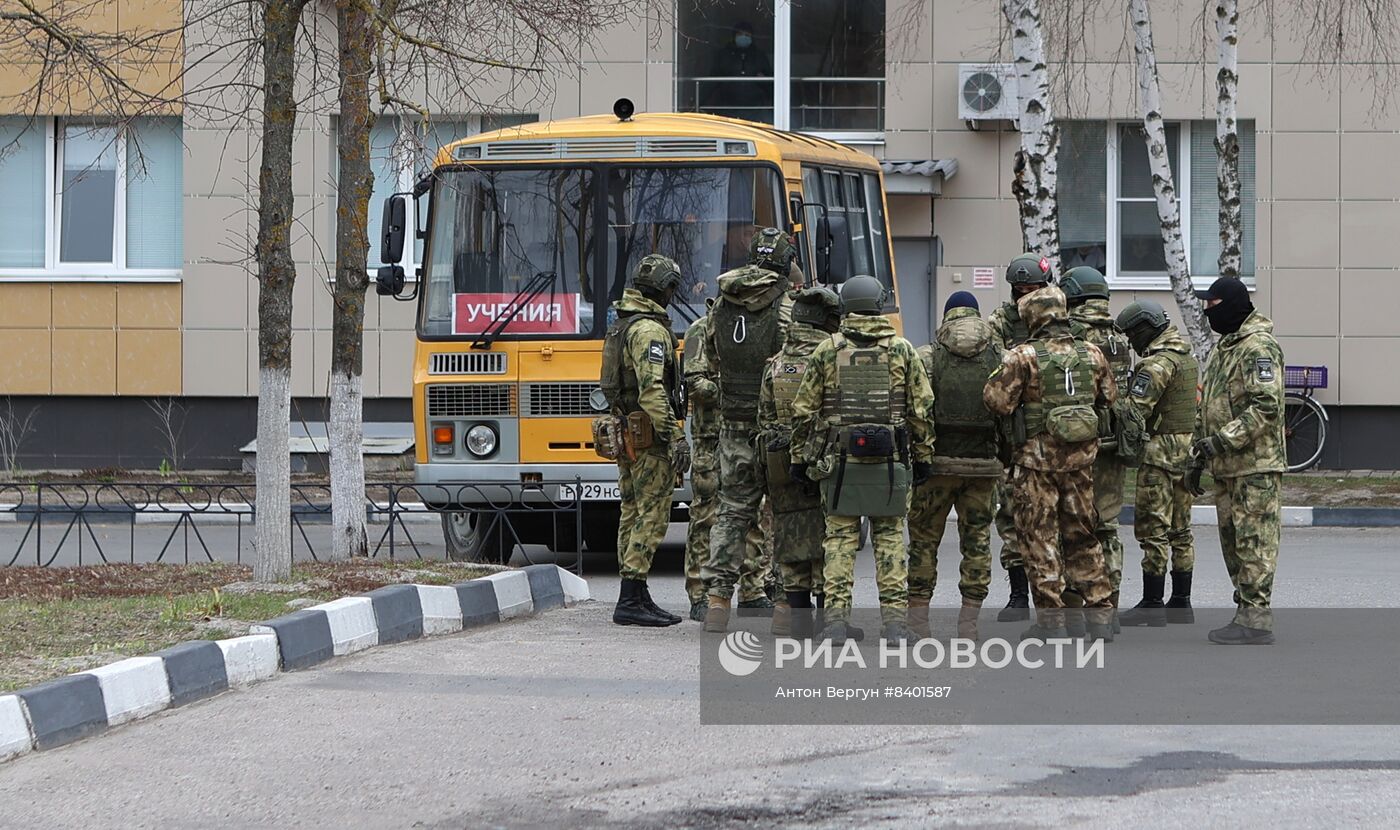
527	293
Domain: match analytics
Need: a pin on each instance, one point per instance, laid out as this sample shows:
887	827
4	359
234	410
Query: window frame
54	270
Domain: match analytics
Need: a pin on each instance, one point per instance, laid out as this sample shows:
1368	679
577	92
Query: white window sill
1160	282
107	275
848	138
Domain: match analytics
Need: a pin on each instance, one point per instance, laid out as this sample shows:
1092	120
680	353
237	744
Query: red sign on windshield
477	313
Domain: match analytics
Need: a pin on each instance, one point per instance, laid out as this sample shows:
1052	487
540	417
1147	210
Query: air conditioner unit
987	92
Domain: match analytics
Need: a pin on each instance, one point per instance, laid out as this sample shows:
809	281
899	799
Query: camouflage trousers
1109	476
1059	507
1162	520
704	483
741	488
1248	508
891	565
646	486
975	499
1006	528
797	547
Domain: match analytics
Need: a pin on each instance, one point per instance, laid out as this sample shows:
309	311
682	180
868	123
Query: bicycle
1304	419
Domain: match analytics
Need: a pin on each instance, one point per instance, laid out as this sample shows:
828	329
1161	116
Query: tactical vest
787	376
871	471
1112	343
1176	408
1065	381
1020	332
619	384
863	393
966	429
744	340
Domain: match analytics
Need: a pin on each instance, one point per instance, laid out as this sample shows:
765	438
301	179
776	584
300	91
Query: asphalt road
567	720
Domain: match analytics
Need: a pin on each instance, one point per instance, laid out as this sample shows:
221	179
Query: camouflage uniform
1163	504
703	395
966	472
646	484
1010	331
1242	405
816	409
1091	321
1052	485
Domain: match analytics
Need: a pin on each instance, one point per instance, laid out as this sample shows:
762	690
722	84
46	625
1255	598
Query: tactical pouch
1018	427
870	441
778	456
1073	424
639	432
878	489
607	436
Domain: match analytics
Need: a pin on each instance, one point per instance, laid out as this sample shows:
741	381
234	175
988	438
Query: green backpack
1066	408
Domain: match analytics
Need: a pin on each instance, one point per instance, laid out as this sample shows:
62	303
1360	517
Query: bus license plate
590	492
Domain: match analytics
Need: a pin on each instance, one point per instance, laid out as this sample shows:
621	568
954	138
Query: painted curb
1356	517
69	708
1205	515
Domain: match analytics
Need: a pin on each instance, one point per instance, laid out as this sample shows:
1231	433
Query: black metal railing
67	523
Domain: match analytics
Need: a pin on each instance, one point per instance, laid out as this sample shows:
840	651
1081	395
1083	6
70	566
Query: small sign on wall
984	278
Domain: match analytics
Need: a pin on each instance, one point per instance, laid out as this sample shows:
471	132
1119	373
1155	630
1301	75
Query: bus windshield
493	231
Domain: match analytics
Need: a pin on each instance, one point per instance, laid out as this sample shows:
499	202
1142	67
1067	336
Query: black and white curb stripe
63	710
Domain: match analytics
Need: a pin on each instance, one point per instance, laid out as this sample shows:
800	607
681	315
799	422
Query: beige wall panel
1367	374
214	95
160	73
28	361
84	305
1263	235
1306	99
980	162
84	362
216	229
216	363
661	88
1255	43
1368	168
909	33
303	363
967	31
661	38
625	42
306	246
1306	165
318	293
1319	351
977	231
1108	90
1305	234
217	163
604	83
1369	234
1187	91
908	145
1369	300
945	97
909	96
370	364
304	170
911	216
1255	94
1304	302
395	315
148	362
148	306
16	85
1262	296
554	96
26	305
320	363
396	365
218	297
1361	110
1263	166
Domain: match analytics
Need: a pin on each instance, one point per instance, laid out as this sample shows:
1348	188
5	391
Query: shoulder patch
1141	381
1264	368
656	352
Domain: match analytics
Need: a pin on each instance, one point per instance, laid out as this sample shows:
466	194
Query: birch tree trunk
1036	165
1227	137
354	188
1163	186
276	274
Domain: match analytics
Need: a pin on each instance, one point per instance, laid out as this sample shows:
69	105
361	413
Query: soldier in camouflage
1026	273
703	395
798	524
860	417
746	329
1087	293
1239	438
1163	388
1054	386
966	471
639	375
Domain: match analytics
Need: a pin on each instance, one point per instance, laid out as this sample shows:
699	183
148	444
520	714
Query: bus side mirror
822	242
389	281
393	226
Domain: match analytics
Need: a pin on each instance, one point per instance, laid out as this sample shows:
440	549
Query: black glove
923	471
1207	448
680	455
1193	481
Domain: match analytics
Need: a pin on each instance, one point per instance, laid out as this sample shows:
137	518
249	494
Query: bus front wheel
600	530
476	536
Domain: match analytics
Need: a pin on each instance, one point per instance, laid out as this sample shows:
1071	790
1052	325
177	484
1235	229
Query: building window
817	67
1108	211
91	200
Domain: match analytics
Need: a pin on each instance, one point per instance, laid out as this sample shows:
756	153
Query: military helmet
1029	269
772	249
1084	283
657	273
816	306
1143	321
863	294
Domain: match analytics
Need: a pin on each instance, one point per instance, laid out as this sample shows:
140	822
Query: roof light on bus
737	148
470	152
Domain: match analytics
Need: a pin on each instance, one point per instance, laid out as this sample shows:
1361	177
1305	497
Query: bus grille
554	400
467	363
471	400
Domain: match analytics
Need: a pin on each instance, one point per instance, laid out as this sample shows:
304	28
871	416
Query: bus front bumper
447	486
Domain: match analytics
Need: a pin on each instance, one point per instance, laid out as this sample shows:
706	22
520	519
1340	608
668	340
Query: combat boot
800	605
630	609
782	619
918	617
838	632
759	606
697	609
967	618
1098	624
1179	606
896	631
1235	634
1044	632
1150	611
717	615
1113	600
1019	606
655	609
1075	627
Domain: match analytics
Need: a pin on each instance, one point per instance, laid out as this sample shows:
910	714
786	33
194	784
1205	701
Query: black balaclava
1234	307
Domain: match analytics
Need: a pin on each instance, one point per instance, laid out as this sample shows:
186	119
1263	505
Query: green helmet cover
817	306
656	273
773	250
863	294
1142	321
1029	269
1084	283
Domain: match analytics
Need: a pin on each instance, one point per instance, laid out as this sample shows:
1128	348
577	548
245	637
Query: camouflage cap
816	306
657	273
771	248
1042	307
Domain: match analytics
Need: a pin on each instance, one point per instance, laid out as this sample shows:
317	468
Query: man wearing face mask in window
1239	437
741	58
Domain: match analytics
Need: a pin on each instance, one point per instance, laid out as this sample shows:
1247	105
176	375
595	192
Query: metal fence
78	523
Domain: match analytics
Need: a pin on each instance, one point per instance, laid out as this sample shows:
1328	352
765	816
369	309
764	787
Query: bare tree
1036	164
14	429
170	424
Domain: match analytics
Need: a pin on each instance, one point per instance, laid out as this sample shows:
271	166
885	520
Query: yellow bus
530	235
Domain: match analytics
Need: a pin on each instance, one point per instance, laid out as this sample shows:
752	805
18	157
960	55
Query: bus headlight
481	440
